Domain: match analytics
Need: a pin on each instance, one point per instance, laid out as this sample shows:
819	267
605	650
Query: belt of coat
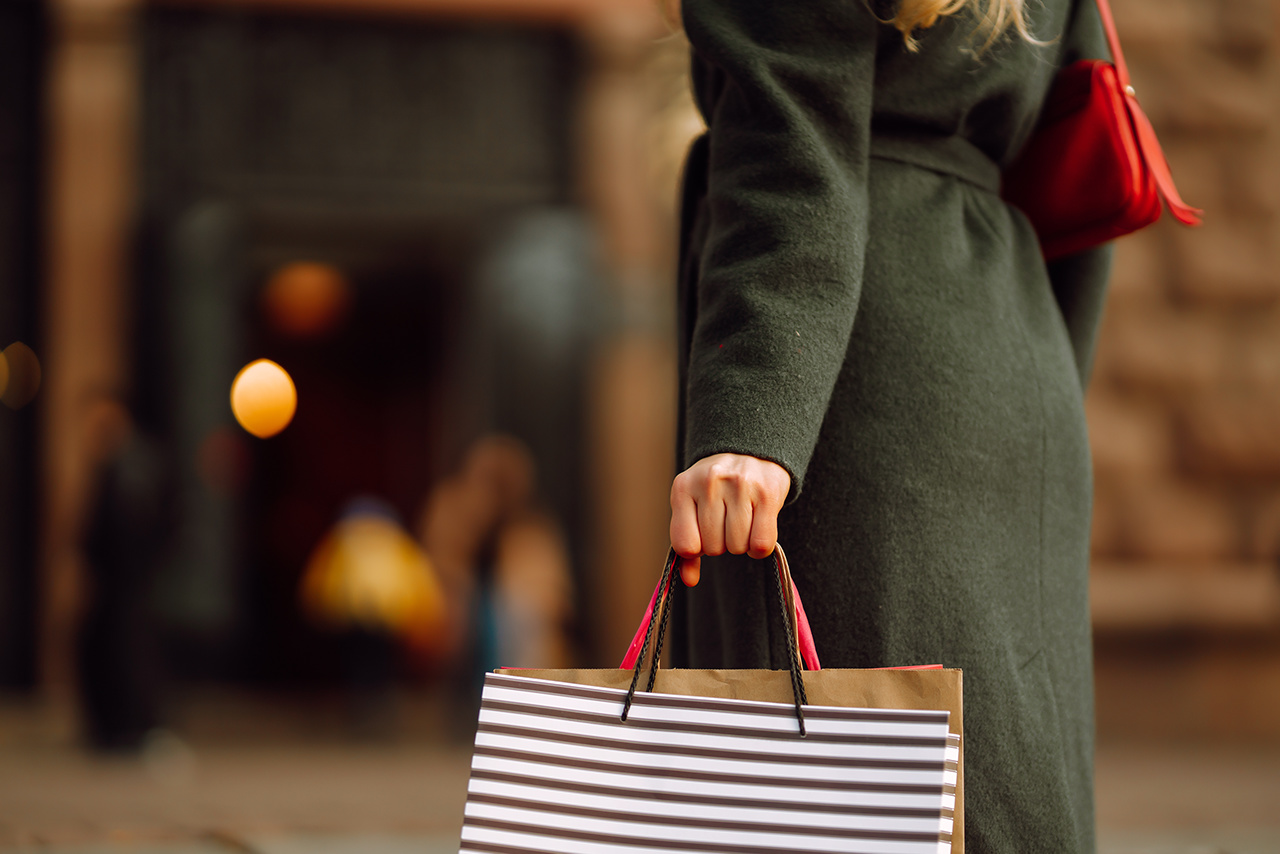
950	155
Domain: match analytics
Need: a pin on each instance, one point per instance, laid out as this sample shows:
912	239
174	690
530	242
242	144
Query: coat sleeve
788	108
1080	280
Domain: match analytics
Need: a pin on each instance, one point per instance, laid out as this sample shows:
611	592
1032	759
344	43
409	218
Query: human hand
726	503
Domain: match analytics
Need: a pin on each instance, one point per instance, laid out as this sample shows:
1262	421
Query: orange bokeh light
263	398
306	298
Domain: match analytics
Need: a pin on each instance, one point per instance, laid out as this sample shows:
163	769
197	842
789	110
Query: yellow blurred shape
23	375
4	373
306	298
369	572
263	398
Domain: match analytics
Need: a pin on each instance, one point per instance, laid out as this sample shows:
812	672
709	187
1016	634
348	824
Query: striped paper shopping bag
708	761
555	769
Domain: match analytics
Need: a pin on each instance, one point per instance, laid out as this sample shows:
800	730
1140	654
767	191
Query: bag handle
661	604
803	635
1152	154
803	631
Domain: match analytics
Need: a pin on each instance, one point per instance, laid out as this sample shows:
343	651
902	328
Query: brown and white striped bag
712	761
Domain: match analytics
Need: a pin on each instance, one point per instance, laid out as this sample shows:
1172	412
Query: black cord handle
663	603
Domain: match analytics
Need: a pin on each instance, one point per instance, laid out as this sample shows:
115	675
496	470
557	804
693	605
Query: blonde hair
995	17
993	20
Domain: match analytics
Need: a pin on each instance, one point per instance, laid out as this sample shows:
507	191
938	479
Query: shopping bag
583	762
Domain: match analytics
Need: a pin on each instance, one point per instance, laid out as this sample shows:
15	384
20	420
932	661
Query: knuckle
773	491
725	474
680	486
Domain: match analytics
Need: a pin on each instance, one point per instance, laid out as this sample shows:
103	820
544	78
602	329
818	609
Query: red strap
633	651
1148	144
1113	41
1154	157
804	633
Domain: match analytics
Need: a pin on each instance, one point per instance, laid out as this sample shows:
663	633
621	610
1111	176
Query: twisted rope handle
662	601
793	649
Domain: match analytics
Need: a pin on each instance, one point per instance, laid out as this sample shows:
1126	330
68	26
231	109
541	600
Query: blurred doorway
406	159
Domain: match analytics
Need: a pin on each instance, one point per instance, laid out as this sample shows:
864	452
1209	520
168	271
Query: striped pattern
556	772
951	780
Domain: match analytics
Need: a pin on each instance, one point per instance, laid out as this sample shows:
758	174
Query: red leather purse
1093	170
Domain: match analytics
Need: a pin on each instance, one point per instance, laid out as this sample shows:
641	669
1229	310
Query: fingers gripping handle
659	612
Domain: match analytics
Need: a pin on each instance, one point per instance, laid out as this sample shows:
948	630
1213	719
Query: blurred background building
449	219
1183	407
439	216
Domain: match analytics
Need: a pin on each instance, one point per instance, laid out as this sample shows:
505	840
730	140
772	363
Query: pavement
284	775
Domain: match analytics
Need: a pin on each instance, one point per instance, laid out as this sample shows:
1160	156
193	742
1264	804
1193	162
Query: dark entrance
403	155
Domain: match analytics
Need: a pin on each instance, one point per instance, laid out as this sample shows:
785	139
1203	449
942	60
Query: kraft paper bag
585	733
867	689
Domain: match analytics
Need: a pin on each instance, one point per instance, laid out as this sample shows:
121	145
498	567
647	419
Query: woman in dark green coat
871	337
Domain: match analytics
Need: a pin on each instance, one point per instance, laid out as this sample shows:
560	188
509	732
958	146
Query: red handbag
1093	170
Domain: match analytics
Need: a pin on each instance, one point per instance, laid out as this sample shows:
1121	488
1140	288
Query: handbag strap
662	602
1148	144
1113	42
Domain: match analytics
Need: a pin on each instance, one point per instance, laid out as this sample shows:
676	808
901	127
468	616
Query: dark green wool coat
859	305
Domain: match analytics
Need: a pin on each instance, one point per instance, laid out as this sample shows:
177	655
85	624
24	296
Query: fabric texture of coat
858	305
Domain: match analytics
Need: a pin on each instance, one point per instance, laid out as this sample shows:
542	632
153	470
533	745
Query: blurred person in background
532	596
503	561
128	526
370	581
880	371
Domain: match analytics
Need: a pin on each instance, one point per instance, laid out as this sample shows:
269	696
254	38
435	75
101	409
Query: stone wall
1184	406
